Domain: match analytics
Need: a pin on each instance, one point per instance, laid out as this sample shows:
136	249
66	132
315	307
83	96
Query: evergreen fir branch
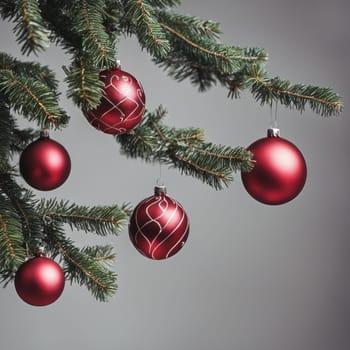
199	169
34	69
191	25
103	254
6	126
239	159
13	140
164	3
84	269
12	253
7	9
112	13
89	24
321	100
31	98
102	220
202	59
184	149
21	138
59	16
143	22
22	202
84	85
30	27
226	59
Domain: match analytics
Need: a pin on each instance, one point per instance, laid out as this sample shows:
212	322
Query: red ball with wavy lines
122	105
159	226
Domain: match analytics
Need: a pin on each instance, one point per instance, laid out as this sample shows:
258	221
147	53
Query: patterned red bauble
122	105
45	164
39	281
159	226
279	172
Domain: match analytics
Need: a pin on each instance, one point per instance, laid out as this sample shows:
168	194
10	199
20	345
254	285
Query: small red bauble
279	172
159	226
39	281
122	105
45	164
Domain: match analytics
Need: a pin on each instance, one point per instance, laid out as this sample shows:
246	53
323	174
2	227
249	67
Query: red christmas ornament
45	164
159	226
122	105
279	172
39	281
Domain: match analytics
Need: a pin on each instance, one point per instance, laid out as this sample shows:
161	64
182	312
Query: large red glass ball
159	226
39	281
122	105
279	172
45	164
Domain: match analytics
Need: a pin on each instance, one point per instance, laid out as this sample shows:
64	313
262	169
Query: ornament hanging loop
44	133
273	130
118	65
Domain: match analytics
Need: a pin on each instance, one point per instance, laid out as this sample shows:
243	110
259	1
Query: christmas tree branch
30	27
102	220
164	3
184	149
82	268
13	139
84	85
143	22
32	98
323	101
96	43
102	254
190	25
34	69
22	202
12	253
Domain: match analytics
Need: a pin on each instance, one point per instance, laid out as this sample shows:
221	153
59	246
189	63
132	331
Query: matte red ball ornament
159	226
122	105
45	164
279	172
39	281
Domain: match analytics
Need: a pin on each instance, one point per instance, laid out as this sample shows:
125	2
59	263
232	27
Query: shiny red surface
159	227
39	281
122	105
45	164
279	173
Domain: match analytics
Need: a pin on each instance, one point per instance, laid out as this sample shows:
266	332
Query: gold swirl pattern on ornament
117	106
163	204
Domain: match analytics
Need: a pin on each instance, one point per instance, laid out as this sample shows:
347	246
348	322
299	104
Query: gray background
251	277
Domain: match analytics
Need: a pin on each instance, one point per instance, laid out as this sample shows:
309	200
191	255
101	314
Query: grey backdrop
251	277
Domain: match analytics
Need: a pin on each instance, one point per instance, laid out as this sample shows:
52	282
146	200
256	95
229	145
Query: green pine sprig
101	220
141	20
32	98
89	25
322	100
84	86
184	149
84	266
30	27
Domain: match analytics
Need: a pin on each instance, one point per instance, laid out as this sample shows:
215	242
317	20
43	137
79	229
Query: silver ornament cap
159	190
273	132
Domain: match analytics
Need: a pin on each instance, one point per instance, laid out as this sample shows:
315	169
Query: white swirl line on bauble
124	99
181	238
171	233
140	228
169	219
